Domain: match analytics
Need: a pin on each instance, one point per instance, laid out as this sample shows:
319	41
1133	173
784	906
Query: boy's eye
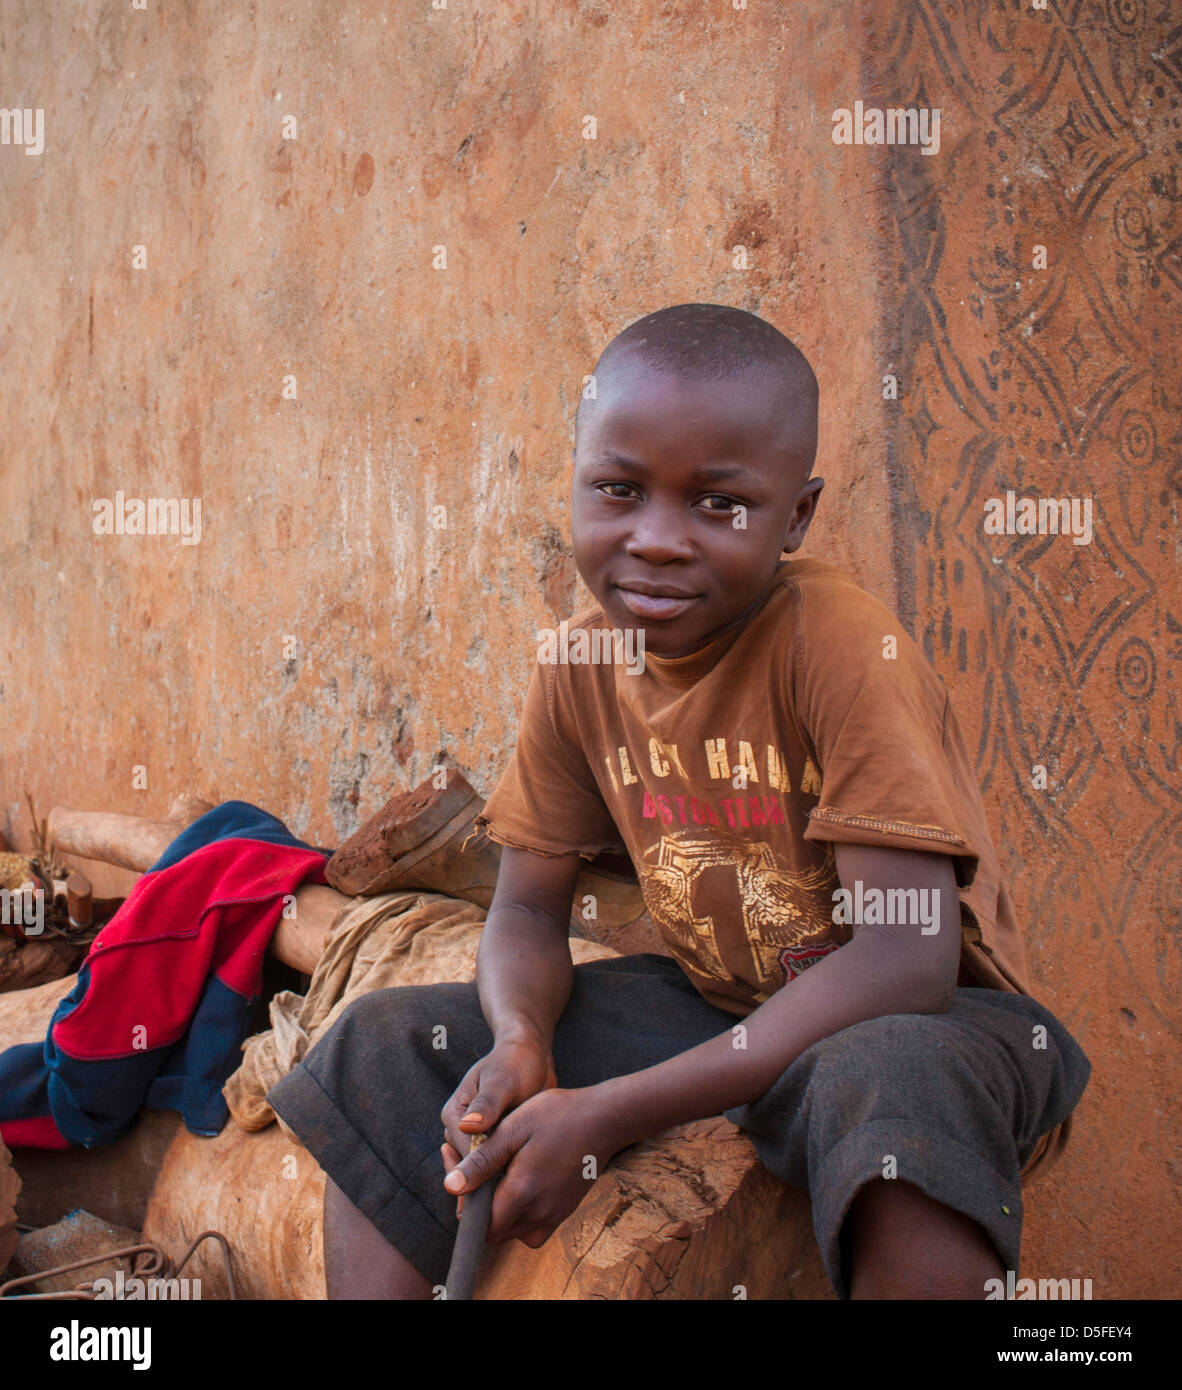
728	503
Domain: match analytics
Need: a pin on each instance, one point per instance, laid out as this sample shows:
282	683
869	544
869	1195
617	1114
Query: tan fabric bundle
403	938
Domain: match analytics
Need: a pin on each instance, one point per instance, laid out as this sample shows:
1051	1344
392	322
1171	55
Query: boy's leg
359	1262
889	1221
951	1104
365	1102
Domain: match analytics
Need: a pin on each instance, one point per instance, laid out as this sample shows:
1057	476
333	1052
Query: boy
791	785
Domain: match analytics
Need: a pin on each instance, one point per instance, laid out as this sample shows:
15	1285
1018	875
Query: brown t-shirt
728	775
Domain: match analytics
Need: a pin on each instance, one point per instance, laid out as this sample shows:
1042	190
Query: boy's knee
894	1042
436	1026
884	1065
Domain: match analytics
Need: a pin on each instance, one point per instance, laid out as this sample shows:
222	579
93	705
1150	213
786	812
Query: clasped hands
550	1144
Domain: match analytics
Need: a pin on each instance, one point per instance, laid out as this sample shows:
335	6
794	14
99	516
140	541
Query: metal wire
148	1262
225	1245
125	1252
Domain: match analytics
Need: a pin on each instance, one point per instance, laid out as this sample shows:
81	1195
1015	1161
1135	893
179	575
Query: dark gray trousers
959	1099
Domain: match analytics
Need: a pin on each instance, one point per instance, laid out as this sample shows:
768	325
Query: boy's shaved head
714	342
691	472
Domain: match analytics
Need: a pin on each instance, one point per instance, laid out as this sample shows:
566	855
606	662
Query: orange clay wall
338	271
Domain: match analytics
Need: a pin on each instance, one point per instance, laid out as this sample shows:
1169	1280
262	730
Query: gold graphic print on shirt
778	907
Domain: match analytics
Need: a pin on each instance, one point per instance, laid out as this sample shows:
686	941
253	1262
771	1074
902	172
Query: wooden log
131	842
692	1214
263	1192
10	1186
114	1181
300	941
187	808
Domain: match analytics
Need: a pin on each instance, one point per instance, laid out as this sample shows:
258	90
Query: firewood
80	897
10	1186
689	1215
131	842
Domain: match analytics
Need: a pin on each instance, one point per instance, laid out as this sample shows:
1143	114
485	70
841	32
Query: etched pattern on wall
1050	383
1060	131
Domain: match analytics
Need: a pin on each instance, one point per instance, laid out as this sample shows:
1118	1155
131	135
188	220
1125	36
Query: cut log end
80	899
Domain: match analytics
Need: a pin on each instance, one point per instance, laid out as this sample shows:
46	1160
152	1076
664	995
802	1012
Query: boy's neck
688	662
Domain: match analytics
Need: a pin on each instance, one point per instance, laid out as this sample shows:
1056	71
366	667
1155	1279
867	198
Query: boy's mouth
656	602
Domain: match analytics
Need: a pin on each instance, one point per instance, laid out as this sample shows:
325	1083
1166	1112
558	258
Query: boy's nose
659	536
657	551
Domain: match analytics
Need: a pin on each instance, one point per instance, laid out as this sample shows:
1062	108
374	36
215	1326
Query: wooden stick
80	900
469	1246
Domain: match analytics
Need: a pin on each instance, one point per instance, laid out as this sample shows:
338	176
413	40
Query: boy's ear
802	514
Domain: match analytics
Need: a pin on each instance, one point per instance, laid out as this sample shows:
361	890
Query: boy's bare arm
523	974
883	970
523	969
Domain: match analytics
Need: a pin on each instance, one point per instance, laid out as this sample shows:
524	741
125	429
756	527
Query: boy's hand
511	1073
546	1145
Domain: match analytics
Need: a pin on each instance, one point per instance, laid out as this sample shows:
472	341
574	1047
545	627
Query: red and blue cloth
165	997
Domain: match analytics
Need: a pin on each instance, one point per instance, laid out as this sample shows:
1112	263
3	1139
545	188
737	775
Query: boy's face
689	491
